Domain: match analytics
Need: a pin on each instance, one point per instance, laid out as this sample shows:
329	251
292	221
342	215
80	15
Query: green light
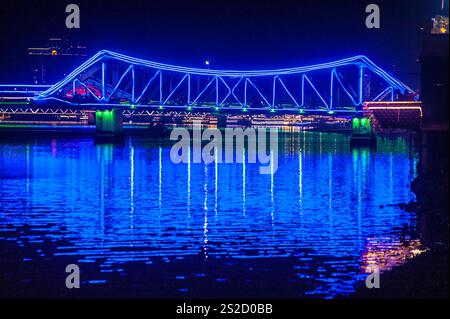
356	123
133	106
189	108
16	125
330	112
161	107
301	111
244	109
272	110
365	123
15	103
108	120
216	108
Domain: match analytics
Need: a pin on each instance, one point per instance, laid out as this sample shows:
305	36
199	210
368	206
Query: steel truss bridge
71	111
112	80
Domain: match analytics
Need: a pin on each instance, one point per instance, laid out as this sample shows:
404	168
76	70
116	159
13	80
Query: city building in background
49	63
434	65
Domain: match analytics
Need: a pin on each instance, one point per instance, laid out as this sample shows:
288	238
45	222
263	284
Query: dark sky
232	34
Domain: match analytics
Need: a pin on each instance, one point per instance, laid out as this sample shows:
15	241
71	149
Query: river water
139	225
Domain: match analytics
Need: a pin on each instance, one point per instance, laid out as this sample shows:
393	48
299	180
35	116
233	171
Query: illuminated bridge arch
110	79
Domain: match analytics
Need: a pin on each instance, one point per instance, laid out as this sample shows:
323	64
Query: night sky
231	34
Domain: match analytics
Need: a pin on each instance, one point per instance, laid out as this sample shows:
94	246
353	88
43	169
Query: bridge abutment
109	121
108	125
362	134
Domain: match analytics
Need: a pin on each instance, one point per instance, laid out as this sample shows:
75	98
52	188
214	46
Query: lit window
440	25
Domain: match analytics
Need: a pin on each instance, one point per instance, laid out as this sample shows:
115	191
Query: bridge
111	81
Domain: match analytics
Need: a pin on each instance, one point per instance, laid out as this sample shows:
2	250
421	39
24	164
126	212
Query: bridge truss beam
339	85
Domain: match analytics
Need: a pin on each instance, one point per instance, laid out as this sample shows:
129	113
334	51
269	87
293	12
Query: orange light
54	52
396	108
394	105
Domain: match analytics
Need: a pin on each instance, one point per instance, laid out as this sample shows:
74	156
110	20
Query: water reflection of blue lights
113	205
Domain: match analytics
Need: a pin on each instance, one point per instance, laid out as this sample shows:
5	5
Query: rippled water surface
313	228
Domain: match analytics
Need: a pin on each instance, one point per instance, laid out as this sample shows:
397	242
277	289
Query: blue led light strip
338	77
381	95
257	90
173	91
87	88
275	79
26	85
104	55
229	91
120	81
314	88
204	90
147	86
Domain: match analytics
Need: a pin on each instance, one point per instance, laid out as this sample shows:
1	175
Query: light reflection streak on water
92	202
272	196
205	208
244	209
330	177
216	183
383	254
300	181
160	161
132	193
189	183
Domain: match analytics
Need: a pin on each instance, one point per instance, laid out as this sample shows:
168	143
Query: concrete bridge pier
362	134
109	126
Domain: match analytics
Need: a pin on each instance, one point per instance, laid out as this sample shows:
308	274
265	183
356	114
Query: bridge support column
108	124
362	133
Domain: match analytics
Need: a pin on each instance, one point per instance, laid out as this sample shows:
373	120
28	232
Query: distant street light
207	64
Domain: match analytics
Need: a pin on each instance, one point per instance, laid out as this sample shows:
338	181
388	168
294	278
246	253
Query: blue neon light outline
253	84
361	75
331	88
156	107
189	89
176	87
87	88
285	88
356	60
317	92
337	75
103	81
133	83
147	86
20	91
217	90
229	91
26	85
390	88
204	90
119	82
232	92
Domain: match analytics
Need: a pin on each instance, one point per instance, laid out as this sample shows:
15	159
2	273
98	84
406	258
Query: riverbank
425	276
